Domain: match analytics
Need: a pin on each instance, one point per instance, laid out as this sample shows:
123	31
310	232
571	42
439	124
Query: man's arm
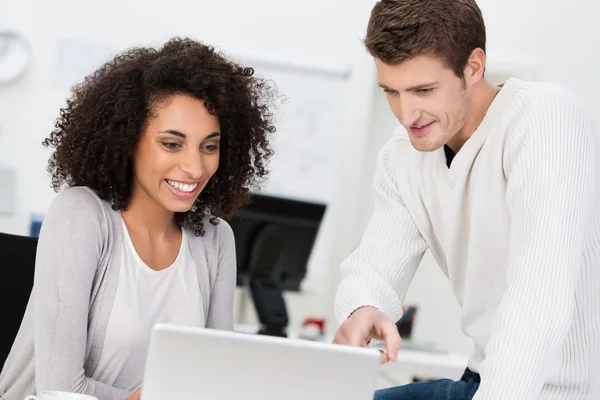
380	270
551	190
68	254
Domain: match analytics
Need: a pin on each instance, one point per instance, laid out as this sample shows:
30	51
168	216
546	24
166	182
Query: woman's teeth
182	187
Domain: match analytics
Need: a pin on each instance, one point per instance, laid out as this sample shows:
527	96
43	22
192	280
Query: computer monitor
274	240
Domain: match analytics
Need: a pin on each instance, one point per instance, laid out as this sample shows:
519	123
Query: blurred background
329	131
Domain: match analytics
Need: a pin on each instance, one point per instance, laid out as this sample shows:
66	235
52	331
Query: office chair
17	262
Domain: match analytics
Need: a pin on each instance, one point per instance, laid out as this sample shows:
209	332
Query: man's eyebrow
381	85
421	86
412	88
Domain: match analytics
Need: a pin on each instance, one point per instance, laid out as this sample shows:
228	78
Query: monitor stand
267	296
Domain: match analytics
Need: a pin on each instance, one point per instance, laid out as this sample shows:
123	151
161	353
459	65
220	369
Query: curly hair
107	113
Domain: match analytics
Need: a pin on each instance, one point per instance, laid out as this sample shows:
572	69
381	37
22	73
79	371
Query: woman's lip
183	195
182	182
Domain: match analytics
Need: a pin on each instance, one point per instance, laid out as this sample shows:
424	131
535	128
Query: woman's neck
146	216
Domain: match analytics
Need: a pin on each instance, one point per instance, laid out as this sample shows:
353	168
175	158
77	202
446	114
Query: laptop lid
190	363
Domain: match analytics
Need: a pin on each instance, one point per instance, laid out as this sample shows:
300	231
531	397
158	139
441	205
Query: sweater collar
465	157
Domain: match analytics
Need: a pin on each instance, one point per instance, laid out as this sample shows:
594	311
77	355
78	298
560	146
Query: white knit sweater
514	223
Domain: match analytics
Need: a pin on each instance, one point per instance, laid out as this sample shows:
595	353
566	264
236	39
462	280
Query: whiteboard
309	126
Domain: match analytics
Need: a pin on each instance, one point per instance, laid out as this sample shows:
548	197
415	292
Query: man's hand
368	323
135	395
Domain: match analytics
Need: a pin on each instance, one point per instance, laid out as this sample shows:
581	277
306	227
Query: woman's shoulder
78	200
81	207
217	233
216	246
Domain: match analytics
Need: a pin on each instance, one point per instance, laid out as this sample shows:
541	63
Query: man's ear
475	68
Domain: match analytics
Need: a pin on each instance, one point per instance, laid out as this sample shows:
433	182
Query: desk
413	362
426	365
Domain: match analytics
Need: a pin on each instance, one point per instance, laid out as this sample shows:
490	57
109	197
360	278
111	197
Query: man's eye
425	91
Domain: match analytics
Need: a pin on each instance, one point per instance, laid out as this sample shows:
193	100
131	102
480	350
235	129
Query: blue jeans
442	389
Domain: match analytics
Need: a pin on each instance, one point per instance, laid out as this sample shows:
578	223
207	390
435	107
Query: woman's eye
172	146
211	148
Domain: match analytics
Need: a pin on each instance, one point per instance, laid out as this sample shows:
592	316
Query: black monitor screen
274	237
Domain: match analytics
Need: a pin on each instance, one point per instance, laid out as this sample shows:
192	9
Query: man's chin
424	146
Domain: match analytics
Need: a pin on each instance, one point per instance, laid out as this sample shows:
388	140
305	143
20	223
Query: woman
152	149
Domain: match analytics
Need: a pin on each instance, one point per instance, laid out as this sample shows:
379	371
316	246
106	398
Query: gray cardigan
76	273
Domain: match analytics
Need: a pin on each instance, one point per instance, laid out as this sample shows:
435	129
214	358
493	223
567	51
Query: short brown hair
402	29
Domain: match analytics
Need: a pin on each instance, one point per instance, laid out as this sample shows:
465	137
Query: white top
514	223
143	298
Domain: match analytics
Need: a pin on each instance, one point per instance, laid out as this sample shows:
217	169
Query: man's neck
483	96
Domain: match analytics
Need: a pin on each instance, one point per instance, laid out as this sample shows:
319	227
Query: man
502	184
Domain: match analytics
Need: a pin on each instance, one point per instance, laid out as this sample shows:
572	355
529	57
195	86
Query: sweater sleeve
551	173
380	270
69	250
220	311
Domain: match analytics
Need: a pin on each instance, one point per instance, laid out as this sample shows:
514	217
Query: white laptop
197	363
